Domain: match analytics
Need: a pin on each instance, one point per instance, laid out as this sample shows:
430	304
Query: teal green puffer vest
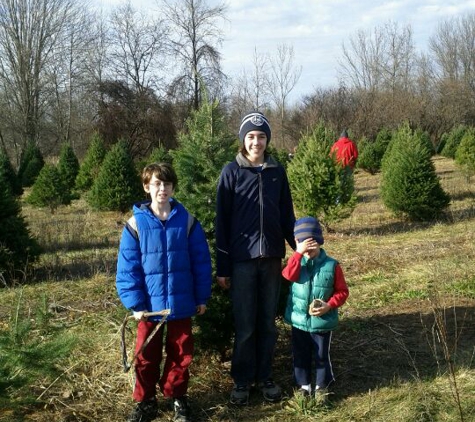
315	282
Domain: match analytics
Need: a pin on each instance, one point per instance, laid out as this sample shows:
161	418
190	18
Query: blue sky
316	29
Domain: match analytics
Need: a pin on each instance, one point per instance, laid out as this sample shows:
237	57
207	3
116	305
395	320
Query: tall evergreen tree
6	169
409	183
31	163
118	184
17	248
465	154
49	189
203	150
320	187
68	166
90	167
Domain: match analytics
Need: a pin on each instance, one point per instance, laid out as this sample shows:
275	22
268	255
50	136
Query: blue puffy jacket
160	266
254	213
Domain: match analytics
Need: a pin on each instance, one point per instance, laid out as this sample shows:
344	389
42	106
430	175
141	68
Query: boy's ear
145	188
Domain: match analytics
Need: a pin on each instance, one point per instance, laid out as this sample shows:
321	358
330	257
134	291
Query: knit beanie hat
308	227
254	121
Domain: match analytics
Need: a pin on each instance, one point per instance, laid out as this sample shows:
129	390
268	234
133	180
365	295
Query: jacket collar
244	162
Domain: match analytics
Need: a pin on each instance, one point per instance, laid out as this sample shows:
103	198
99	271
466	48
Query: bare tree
453	52
250	88
67	75
380	59
195	38
29	31
140	43
283	77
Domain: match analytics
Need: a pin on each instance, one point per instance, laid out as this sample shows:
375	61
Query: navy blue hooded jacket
161	266
254	213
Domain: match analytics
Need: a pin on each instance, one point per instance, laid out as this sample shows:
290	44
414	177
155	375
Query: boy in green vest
319	288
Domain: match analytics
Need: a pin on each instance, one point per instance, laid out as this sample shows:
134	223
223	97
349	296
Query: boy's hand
319	310
224	282
139	315
200	309
307	245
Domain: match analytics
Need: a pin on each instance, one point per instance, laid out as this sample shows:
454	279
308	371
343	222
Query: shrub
118	184
453	141
17	248
320	187
409	184
425	140
49	189
465	154
7	171
91	165
31	163
68	166
281	155
368	158
158	155
203	150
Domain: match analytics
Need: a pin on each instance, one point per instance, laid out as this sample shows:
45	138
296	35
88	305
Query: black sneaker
271	391
240	395
145	411
182	409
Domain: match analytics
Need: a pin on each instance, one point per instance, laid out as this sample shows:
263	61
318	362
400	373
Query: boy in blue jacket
163	263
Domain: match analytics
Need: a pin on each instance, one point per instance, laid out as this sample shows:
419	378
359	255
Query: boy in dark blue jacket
163	263
254	218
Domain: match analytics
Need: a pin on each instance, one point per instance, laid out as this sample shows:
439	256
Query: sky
316	29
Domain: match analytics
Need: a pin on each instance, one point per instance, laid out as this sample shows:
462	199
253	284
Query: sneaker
182	409
240	395
271	391
145	411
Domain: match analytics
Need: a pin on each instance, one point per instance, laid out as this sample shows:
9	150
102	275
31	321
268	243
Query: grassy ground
404	351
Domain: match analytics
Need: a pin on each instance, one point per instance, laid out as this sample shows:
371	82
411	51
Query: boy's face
255	143
160	191
314	252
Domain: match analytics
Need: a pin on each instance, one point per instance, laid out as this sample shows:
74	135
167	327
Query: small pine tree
320	187
7	171
49	189
281	155
203	149
453	141
68	166
425	140
409	182
118	184
17	248
158	155
465	154
368	158
91	165
31	163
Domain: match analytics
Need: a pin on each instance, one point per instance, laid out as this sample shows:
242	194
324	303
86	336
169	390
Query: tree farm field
404	350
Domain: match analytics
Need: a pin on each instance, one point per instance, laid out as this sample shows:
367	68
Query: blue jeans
303	345
255	288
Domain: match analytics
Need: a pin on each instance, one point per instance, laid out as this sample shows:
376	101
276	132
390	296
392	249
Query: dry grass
387	354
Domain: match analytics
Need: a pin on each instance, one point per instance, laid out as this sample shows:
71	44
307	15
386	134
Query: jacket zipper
261	213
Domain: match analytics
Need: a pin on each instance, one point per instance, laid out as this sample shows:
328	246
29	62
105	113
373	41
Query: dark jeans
303	345
255	288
